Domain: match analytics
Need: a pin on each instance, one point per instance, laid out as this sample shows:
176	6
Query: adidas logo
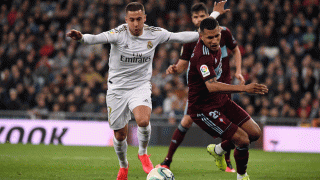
174	141
146	100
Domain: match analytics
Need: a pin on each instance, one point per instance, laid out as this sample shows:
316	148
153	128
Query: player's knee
143	122
241	138
186	122
244	141
255	134
120	136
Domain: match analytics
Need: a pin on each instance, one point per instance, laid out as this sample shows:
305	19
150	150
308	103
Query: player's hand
240	78
171	69
74	34
255	88
219	7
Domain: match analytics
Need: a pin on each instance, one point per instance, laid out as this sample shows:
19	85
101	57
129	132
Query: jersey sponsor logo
135	59
150	45
204	70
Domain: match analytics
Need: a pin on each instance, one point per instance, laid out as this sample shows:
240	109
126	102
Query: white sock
241	176
121	150
144	134
218	149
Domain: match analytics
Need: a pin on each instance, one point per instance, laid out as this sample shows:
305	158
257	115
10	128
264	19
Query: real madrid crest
150	45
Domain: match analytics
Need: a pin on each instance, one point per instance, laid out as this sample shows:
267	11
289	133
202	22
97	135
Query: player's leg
120	146
177	139
241	153
140	105
215	123
252	131
227	158
142	116
118	117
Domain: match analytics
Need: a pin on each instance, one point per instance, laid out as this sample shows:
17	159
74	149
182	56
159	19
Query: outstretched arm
214	86
88	38
184	37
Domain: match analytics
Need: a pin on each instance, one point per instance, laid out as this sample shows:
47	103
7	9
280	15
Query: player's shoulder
224	29
152	28
119	29
200	50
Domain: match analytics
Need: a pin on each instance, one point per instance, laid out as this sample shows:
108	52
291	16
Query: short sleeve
186	51
231	42
205	68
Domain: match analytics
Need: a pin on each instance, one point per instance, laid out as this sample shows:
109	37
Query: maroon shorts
221	122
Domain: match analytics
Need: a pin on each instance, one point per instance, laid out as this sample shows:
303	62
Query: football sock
241	155
227	156
227	146
121	150
218	149
144	134
176	140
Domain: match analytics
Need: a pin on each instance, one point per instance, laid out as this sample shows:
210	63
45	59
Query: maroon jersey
227	42
204	65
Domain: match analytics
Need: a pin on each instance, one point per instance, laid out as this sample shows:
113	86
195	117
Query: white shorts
121	104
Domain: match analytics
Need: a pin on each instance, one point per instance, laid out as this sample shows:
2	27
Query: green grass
190	163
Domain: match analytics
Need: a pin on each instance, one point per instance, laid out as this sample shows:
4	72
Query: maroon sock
227	145
176	140
227	154
241	155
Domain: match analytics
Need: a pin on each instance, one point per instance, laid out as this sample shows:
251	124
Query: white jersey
130	62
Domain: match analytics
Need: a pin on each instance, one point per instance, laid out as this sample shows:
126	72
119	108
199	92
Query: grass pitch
190	163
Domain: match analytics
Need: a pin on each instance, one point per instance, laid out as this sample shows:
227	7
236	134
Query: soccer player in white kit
130	69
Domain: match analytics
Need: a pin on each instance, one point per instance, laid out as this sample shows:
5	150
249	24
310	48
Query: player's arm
183	37
178	68
238	60
88	38
254	88
218	9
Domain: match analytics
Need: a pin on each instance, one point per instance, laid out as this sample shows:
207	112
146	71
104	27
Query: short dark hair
135	6
208	23
199	7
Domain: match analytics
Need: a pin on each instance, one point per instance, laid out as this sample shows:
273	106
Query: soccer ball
160	174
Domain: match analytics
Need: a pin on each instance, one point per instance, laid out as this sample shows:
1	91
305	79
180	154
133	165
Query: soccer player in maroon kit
210	106
200	12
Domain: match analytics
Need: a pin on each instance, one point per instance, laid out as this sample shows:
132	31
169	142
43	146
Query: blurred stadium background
46	76
52	89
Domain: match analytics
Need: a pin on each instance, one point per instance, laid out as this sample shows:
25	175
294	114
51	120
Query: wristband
215	14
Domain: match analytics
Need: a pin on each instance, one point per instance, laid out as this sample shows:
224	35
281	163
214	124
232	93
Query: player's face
197	17
135	20
211	38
